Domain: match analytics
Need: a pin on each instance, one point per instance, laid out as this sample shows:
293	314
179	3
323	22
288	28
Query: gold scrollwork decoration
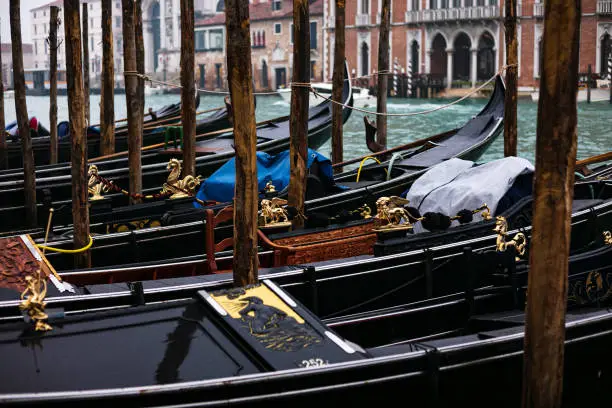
519	241
607	238
179	188
33	301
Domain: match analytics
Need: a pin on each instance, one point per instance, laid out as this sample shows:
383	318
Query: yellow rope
68	251
363	161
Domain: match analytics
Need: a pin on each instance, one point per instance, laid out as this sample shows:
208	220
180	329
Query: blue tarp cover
220	185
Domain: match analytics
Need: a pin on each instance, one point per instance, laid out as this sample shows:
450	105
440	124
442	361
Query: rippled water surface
594	121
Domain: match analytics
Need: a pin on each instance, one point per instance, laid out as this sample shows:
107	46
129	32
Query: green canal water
594	121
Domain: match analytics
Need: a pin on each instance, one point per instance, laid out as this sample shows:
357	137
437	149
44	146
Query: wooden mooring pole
510	105
553	194
107	111
188	108
240	80
299	108
78	129
21	110
85	42
140	58
383	77
3	152
337	86
132	99
589	73
53	84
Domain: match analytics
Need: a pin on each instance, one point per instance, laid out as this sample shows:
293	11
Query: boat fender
465	216
434	221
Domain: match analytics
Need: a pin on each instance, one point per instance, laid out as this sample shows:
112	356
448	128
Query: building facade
161	35
461	42
7	63
271	45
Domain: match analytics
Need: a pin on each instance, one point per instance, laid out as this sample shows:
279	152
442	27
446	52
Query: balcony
362	20
453	14
604	7
538	10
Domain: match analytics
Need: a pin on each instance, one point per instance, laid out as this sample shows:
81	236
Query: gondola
272	137
362	186
276	343
166	115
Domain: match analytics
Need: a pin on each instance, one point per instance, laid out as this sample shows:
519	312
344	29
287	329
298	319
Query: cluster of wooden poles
555	146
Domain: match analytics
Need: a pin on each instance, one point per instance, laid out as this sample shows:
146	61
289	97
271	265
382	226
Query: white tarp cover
458	184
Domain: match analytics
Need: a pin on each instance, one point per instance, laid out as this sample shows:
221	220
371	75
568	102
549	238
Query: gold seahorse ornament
179	188
519	241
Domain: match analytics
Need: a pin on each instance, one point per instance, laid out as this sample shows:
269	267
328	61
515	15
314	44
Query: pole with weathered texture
188	108
383	69
553	195
85	43
589	71
78	128
107	112
298	123
240	80
337	86
510	107
21	110
3	151
132	100
140	56
53	84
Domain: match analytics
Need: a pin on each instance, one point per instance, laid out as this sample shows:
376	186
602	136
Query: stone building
271	45
7	63
460	41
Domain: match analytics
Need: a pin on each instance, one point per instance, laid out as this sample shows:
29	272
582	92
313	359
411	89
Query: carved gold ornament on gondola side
94	186
391	211
272	214
33	301
607	238
269	188
179	188
519	241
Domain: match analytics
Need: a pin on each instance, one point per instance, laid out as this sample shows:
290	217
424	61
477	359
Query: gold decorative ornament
519	241
179	187
36	290
365	211
391	210
607	238
486	212
94	185
272	214
269	188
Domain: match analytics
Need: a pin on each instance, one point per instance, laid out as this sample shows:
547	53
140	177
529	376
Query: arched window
461	57
438	56
486	57
263	38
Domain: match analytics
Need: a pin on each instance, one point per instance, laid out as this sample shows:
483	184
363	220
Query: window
200	40
277	5
312	69
35	29
118	5
45	28
216	40
45	13
91	43
34	14
313	35
218	74
46	49
91	22
35	47
278	28
416	5
91	7
117	22
292	34
365	6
